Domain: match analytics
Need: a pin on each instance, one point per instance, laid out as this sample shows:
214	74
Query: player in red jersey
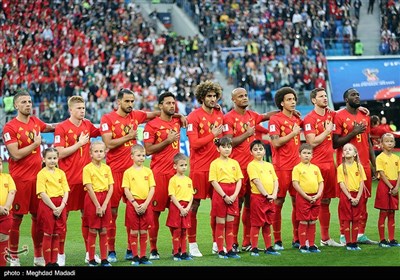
119	132
353	126
284	130
204	125
22	138
72	140
161	138
318	127
240	124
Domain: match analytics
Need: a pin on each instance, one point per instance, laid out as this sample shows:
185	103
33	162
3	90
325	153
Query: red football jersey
119	158
344	123
156	131
66	135
286	156
315	124
237	125
201	140
23	133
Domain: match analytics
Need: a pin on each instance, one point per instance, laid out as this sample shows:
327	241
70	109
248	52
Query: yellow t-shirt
99	177
355	175
265	172
181	187
225	171
54	184
308	176
7	184
390	165
138	181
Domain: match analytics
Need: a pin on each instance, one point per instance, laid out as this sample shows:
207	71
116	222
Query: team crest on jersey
57	139
155	202
31	135
104	127
17	207
127	128
6	185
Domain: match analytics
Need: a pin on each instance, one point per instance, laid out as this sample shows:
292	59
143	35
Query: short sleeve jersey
308	175
286	156
225	171
200	124
66	135
390	165
54	184
138	181
344	124
23	133
7	184
99	176
237	124
156	131
315	124
355	175
263	171
119	158
181	187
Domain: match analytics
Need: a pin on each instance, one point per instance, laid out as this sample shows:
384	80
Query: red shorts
76	197
49	223
91	218
26	199
285	183
135	222
160	200
348	212
383	199
201	184
262	210
306	211
218	206
118	192
331	187
5	224
174	218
